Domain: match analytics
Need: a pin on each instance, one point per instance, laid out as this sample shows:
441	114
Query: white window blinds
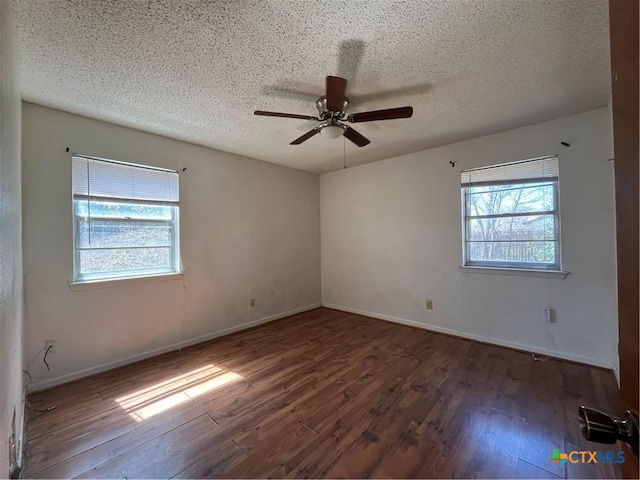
540	169
95	178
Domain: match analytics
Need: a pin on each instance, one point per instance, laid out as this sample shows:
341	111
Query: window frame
556	266
174	249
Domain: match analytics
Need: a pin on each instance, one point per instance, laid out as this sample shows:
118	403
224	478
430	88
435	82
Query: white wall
11	288
391	238
248	229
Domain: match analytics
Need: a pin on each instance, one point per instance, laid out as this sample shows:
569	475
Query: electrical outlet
252	303
50	343
429	304
549	316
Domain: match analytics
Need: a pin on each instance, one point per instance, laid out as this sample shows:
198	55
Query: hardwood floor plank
498	448
335	434
164	456
513	398
391	416
455	427
77	438
279	445
405	455
66	412
603	394
453	451
591	470
215	464
545	427
540	440
526	470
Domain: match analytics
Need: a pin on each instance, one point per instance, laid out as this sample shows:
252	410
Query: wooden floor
322	394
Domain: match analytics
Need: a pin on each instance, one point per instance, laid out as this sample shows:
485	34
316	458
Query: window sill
121	282
517	272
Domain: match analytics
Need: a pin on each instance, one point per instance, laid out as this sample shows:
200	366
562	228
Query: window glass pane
113	233
506	199
125	260
122	210
117	239
530	227
512	252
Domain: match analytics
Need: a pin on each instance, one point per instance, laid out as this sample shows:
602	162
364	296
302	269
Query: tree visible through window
511	215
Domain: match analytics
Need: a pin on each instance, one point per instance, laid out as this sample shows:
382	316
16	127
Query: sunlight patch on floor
162	396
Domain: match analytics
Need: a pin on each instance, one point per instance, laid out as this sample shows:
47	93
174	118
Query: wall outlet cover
51	342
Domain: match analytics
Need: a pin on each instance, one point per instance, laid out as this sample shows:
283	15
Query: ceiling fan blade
355	137
305	137
284	115
388	114
336	87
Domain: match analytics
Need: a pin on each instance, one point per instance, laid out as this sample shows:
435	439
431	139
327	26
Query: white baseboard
472	336
50	382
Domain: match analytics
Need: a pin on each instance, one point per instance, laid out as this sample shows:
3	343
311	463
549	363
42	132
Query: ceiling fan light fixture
332	131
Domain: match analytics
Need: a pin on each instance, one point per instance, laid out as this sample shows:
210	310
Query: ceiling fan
332	108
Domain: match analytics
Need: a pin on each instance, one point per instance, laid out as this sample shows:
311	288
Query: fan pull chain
344	156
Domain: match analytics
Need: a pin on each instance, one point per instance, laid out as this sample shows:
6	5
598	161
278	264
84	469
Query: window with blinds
510	215
125	220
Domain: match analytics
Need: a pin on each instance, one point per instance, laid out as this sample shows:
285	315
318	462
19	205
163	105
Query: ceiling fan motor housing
326	114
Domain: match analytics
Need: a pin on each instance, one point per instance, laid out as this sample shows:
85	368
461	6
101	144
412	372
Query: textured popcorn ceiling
197	70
